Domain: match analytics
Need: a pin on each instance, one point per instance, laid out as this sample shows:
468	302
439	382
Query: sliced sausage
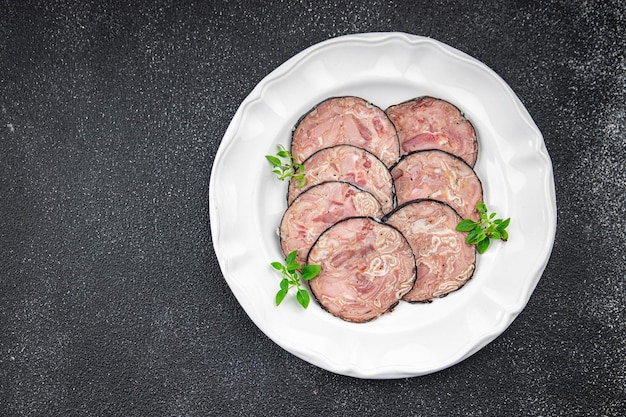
366	268
347	163
439	176
346	120
444	261
432	123
319	207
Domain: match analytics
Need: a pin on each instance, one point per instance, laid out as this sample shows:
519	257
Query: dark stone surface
111	299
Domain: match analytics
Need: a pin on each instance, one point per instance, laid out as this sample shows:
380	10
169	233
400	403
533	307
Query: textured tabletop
112	302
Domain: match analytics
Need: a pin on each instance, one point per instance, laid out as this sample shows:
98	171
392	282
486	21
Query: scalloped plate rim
384	370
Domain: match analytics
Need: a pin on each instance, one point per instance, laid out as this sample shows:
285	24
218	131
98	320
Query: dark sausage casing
439	176
432	123
346	120
367	267
444	261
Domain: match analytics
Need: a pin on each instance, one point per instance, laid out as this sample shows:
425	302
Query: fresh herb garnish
293	273
482	231
286	169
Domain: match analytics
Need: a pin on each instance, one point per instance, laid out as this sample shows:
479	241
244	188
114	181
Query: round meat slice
347	163
366	268
319	207
346	120
431	123
444	261
439	176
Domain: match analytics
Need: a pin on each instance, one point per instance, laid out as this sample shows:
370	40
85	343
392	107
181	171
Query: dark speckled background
111	299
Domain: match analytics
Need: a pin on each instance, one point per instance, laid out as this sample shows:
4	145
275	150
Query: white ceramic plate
247	202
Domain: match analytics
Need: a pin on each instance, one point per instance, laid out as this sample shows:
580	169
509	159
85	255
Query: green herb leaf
475	236
310	271
280	296
291	257
274	160
303	298
465	225
283	153
277	266
285	166
293	266
481	232
482	245
292	275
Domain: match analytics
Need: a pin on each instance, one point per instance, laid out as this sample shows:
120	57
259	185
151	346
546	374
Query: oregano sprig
481	232
293	274
286	169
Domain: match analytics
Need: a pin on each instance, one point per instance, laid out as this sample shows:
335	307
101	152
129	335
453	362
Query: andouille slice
347	163
432	123
318	208
440	176
346	120
366	268
444	261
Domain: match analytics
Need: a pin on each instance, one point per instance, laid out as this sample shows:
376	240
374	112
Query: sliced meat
439	176
347	163
346	120
431	123
319	207
367	267
444	261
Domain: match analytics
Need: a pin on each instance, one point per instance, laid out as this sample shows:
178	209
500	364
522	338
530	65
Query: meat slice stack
380	203
347	163
320	207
